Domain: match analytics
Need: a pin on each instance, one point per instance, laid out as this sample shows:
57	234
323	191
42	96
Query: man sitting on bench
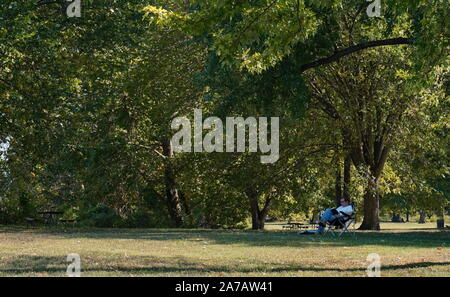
330	214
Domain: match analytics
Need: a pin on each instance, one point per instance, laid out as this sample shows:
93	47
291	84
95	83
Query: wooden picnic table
50	217
297	225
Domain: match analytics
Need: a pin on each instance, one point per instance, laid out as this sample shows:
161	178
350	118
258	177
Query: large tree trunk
423	215
257	220
440	222
371	219
173	198
374	157
338	185
184	201
315	217
347	168
258	216
342	187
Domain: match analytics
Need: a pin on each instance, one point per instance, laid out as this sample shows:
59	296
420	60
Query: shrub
100	216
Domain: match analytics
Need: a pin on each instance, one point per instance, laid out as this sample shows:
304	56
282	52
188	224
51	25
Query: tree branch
254	20
345	52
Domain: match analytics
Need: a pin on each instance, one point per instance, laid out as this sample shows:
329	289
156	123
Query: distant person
330	214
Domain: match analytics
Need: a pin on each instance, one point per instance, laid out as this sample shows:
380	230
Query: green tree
258	35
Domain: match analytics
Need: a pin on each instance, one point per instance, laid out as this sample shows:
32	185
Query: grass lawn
406	249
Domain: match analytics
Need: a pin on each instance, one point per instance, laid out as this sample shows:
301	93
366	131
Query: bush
139	219
15	208
100	216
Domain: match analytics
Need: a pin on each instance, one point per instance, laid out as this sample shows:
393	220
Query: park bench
31	221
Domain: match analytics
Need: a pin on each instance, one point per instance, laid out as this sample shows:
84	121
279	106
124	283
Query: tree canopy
86	105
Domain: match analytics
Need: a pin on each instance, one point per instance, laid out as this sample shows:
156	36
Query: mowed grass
406	249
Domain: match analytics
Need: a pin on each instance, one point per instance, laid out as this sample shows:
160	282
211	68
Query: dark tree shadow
152	265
